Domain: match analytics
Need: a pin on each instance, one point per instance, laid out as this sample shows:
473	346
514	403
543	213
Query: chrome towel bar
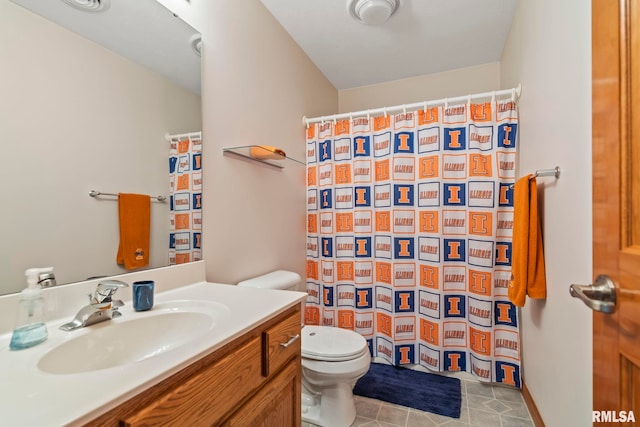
548	172
94	193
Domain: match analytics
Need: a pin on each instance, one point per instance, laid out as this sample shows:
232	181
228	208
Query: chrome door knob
600	296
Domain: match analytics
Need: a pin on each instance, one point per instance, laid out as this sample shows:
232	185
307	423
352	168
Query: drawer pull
291	341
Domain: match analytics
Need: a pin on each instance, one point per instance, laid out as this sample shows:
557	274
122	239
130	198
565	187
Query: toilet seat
330	344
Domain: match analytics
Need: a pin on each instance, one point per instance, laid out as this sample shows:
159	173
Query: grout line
466	403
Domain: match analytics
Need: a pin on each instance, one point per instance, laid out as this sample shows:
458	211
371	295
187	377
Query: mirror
87	99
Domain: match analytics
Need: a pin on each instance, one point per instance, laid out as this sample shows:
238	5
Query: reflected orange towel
134	213
527	270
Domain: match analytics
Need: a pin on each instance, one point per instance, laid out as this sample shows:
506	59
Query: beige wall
464	81
76	117
257	85
251	230
550	54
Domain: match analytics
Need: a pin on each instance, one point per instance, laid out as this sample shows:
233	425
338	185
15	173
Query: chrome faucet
101	306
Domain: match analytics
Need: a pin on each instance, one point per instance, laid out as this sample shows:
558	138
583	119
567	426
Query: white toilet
333	359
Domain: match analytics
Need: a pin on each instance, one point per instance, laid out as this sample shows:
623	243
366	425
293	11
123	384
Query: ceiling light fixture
372	12
89	5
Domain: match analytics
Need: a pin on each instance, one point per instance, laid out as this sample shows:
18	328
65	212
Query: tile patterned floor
482	406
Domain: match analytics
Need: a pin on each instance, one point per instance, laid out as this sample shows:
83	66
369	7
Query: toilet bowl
333	359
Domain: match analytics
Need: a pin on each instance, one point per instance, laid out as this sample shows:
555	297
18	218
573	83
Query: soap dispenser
30	325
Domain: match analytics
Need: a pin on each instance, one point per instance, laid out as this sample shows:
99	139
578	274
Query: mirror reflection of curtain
185	210
410	232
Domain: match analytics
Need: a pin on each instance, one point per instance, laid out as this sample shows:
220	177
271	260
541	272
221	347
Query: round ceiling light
372	12
89	5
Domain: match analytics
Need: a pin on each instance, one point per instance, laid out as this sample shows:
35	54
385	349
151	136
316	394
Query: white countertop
31	397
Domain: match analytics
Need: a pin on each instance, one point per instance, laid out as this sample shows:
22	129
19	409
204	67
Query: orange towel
134	213
527	270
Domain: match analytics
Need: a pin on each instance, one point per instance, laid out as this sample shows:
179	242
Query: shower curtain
409	235
185	198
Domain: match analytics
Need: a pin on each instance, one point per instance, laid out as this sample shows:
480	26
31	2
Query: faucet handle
102	295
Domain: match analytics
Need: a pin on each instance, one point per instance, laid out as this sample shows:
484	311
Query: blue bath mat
420	390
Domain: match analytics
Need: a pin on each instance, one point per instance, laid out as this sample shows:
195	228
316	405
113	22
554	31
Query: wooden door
616	203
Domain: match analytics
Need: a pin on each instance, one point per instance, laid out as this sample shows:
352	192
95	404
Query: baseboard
531	405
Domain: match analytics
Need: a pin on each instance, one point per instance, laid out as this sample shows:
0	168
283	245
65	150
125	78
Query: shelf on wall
261	154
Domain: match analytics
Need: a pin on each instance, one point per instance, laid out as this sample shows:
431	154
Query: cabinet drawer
280	343
204	398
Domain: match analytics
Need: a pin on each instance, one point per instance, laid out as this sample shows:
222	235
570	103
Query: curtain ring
493	97
446	103
350	122
469	99
335	120
404	109
425	108
384	110
307	122
368	117
513	95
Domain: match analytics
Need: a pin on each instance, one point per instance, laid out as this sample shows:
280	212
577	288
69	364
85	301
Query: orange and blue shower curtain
409	238
185	198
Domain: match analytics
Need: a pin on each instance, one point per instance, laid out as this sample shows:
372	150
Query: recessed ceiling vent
372	12
89	5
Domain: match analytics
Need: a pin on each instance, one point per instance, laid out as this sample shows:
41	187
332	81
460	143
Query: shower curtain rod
169	137
514	92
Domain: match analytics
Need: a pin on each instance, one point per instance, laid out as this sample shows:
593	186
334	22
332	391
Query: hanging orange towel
134	213
527	270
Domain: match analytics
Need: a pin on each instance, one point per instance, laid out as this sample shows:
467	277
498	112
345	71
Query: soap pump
30	326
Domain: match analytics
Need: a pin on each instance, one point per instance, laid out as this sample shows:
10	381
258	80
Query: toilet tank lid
279	279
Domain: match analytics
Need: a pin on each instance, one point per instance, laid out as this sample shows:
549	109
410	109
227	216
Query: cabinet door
206	397
276	404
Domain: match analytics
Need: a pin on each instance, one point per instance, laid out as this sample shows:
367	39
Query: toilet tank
280	279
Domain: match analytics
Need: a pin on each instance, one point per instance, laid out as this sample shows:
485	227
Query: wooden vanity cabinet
254	380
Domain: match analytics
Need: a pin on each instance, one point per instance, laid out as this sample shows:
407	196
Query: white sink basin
133	337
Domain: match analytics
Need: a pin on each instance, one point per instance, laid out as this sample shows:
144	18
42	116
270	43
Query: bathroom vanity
206	354
252	381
